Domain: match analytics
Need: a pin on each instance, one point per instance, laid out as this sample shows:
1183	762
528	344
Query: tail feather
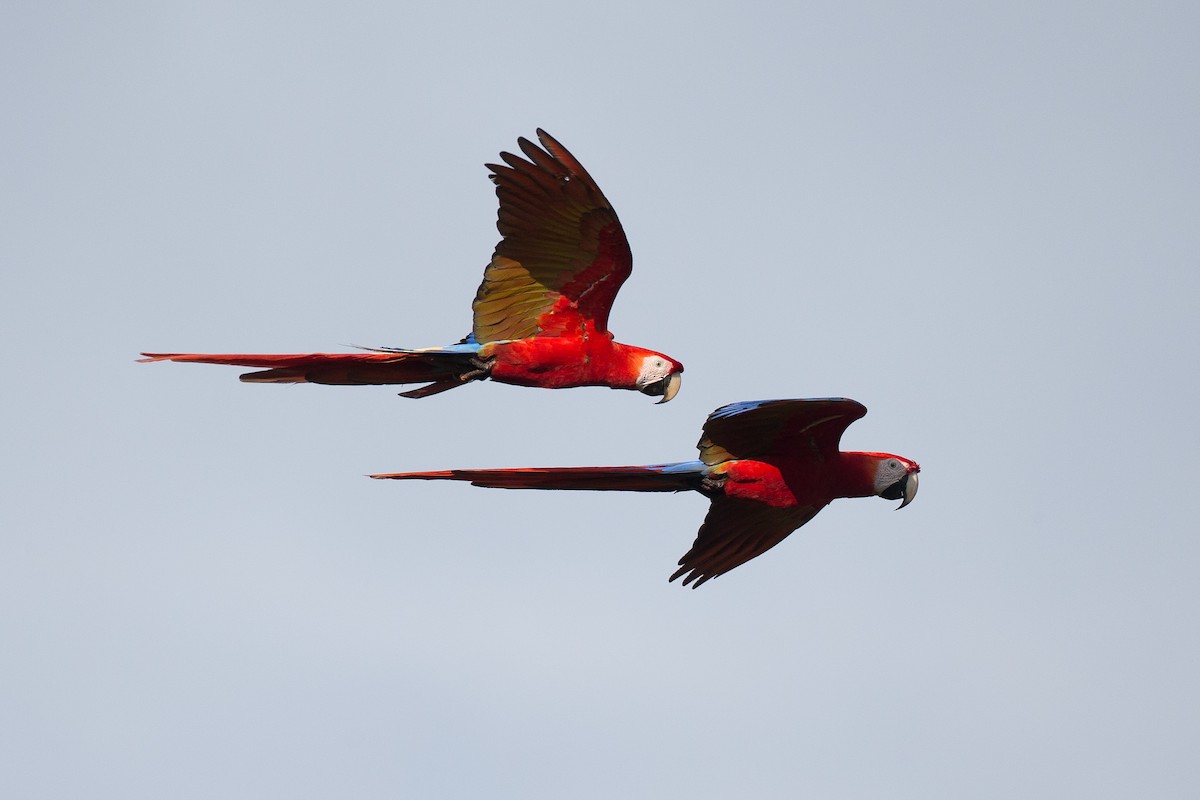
445	369
657	478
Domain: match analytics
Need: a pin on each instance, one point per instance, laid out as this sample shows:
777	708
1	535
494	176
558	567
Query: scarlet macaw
768	467
541	313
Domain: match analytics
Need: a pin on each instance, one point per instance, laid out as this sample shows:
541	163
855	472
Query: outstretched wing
735	531
563	254
763	429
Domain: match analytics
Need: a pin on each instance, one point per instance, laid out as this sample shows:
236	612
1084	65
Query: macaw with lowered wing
540	315
768	467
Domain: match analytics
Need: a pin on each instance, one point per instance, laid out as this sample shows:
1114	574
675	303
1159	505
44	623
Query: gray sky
979	221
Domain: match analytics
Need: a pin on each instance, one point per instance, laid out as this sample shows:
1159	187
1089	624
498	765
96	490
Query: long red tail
443	370
660	478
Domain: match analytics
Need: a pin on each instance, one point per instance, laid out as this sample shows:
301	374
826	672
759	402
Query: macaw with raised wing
541	313
768	467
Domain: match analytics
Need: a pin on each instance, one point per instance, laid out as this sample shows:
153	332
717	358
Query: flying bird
540	314
767	466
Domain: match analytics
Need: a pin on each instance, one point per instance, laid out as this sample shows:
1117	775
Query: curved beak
670	387
904	489
909	488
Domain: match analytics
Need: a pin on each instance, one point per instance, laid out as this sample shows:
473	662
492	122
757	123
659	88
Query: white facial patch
654	369
888	472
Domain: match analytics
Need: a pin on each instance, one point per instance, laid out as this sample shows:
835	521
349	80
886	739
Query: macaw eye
894	464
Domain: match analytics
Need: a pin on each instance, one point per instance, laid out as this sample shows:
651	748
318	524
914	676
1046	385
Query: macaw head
896	479
659	375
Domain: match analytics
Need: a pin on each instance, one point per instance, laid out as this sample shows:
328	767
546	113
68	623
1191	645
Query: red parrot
541	313
768	467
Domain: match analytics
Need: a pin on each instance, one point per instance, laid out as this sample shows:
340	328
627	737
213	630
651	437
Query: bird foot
483	368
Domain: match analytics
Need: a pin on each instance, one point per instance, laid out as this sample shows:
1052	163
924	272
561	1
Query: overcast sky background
981	222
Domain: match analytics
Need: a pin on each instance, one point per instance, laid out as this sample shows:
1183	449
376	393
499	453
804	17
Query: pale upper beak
910	489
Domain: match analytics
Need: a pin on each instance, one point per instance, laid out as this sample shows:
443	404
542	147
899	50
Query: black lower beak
895	491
